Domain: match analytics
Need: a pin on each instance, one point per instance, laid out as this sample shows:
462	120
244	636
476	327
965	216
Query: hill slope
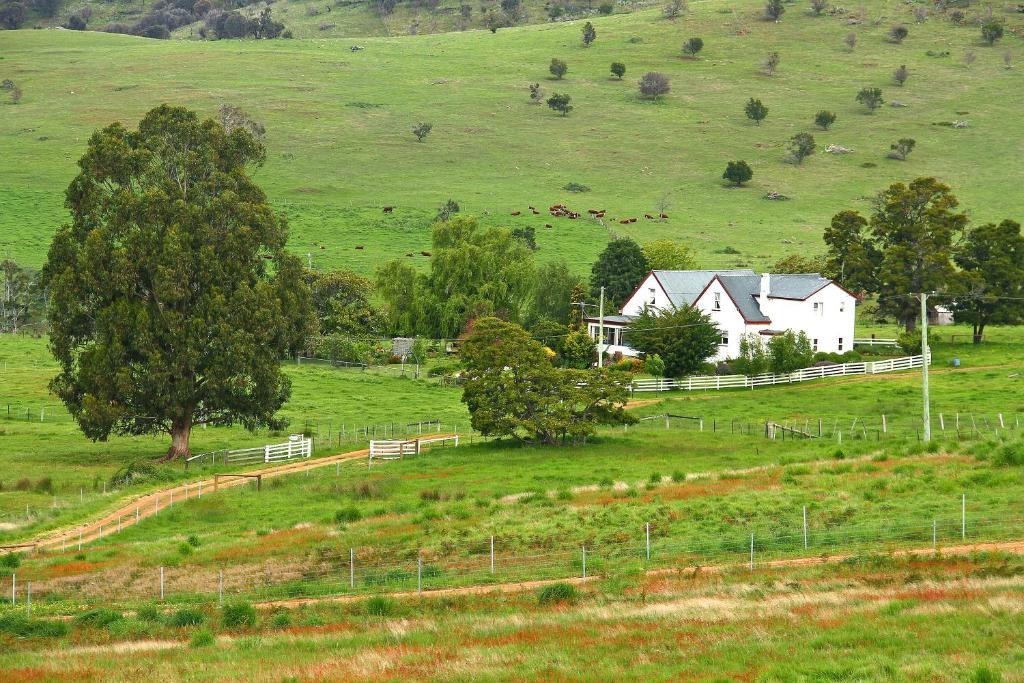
340	143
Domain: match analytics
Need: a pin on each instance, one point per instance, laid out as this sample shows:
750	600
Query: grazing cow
388	209
532	208
515	213
425	253
536	212
359	246
409	254
624	221
547	225
632	220
648	216
593	212
664	215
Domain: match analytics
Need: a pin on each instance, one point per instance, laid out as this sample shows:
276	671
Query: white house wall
831	322
728	319
643	296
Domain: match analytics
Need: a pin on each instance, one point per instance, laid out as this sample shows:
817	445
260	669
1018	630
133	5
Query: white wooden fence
295	447
744	382
396	450
874	341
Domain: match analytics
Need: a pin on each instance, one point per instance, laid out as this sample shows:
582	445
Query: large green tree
553	287
668	255
906	247
341	301
620	269
992	278
172	298
511	388
473	272
684	338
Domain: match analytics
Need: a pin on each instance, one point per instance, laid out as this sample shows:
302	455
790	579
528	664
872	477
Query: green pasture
340	144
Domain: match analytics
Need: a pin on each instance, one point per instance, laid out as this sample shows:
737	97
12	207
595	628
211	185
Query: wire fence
486	561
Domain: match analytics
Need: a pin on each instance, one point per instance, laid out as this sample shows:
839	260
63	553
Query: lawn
340	144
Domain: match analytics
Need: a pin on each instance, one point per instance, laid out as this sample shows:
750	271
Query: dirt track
152	503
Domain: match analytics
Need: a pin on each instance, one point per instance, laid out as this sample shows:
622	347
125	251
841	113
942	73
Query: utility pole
924	368
600	332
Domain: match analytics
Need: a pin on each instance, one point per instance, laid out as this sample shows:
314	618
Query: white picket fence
874	341
744	382
395	450
295	447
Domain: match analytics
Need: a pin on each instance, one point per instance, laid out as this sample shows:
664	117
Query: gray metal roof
796	286
684	286
744	289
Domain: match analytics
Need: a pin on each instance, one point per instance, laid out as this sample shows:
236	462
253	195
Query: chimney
765	286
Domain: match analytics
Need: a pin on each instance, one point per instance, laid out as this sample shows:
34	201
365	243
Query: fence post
266	453
805	527
885	425
648	539
351	567
942	423
1001	425
751	551
419	573
79	539
963	516
161	583
584	562
200	489
220	588
492	553
136	514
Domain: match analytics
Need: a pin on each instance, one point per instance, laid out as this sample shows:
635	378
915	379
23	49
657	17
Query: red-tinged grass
273	543
74	568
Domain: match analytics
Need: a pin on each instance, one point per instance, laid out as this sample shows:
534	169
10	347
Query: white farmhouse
741	302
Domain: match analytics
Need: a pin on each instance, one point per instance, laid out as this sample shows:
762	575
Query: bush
606	8
898	33
558	68
98	618
653	85
654	365
910	342
692	46
10	561
186	616
238	615
558	593
773	10
20	626
738	172
801	146
76	23
193	540
871	98
823	119
202	638
156	31
1010	455
149	613
755	110
281	620
991	31
380	606
349	514
618	70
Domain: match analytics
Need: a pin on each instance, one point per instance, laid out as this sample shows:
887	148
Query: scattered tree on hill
799	263
738	172
907	247
668	255
789	352
818	6
991	31
991	260
900	75
824	119
871	98
560	103
693	46
511	389
422	130
589	34
771	63
234	118
684	338
851	41
447	210
558	68
618	70
674	8
898	33
653	85
801	146
902	148
774	9
536	93
620	269
755	110
172	296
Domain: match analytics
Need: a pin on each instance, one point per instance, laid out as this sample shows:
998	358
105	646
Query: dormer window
651	296
716	305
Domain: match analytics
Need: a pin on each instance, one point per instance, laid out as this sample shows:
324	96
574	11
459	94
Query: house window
840	343
842	306
717	304
814	344
724	340
651	297
819	308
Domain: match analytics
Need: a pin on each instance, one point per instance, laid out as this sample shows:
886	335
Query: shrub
558	68
850	40
618	70
238	615
606	8
99	617
678	477
985	675
654	365
910	342
589	34
771	63
281	620
738	172
576	187
991	31
653	85
900	75
186	617
149	613
692	46
380	606
898	33
202	638
818	6
823	119
422	130
21	626
902	148
560	103
349	514
76	23
773	10
10	561
870	98
1010	455
801	146
193	540
558	593
755	110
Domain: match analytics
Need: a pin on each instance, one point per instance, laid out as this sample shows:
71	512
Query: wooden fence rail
295	447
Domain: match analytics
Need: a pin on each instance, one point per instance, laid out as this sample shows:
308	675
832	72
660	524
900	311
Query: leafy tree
554	287
341	302
901	75
422	130
851	41
558	68
902	148
738	172
789	352
511	389
653	85
684	338
774	9
755	111
550	333
801	146
753	358
871	98
668	255
799	263
576	300
47	8
233	118
823	119
172	298
771	63
12	15
818	6
898	33
991	31
473	272
852	257
447	210
693	46
589	34
76	23
654	365
673	8
620	269
560	103
991	260
579	350
618	70
19	296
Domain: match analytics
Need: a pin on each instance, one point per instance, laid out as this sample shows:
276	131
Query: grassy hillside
340	145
